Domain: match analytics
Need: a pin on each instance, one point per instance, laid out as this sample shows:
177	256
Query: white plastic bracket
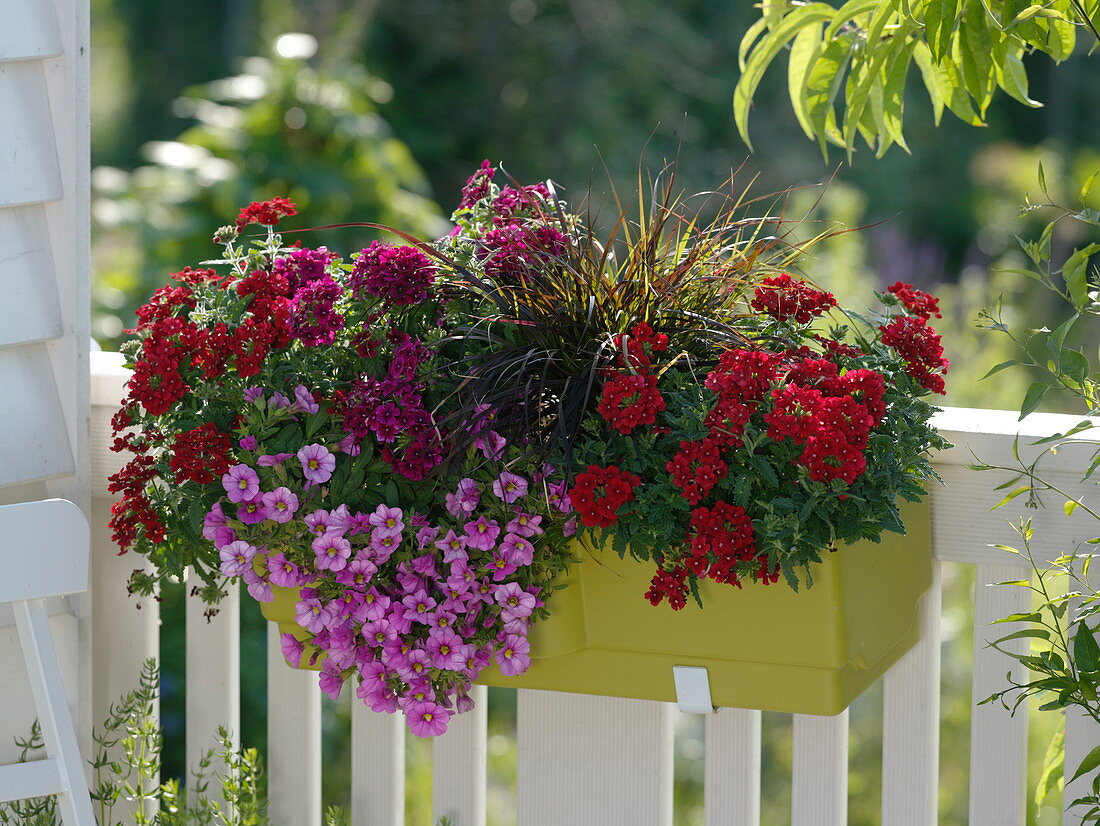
692	689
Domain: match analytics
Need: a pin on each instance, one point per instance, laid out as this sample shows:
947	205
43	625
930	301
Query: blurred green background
363	110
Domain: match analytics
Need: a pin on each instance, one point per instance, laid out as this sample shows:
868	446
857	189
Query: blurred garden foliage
362	110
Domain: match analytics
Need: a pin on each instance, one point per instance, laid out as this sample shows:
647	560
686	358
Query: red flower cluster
721	537
268	213
164	303
783	297
921	348
200	455
917	302
134	510
637	349
398	274
598	493
831	424
630	400
670	585
741	379
696	468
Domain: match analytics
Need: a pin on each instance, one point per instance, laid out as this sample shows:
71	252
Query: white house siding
44	305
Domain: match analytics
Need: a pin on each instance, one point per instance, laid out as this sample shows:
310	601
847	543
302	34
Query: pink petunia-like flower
304	399
224	536
280	505
252	511
524	524
387	521
501	565
453	546
559	497
349	445
241	483
283	572
259	588
214	519
509	487
427	719
378	632
465	500
319	522
331	679
332	552
482	533
518	549
514	601
248	443
358	572
318	463
292	649
418	606
383	546
251	394
236	558
425	535
416	665
513	655
491	445
444	646
570	526
311	615
273	459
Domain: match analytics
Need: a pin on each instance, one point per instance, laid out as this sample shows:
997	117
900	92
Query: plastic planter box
764	647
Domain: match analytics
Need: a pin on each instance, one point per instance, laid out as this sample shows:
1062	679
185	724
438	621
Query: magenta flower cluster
412	610
397	274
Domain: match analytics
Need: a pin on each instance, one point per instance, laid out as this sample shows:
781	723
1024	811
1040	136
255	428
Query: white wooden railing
586	760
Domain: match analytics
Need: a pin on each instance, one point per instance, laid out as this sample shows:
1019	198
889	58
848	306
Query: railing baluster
819	781
293	739
1082	736
458	765
911	724
377	767
998	741
593	760
213	672
732	768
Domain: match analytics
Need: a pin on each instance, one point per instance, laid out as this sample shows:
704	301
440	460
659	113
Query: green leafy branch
862	52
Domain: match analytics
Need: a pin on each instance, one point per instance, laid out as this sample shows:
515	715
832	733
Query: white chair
44	549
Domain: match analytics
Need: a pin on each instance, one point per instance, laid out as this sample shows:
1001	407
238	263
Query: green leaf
976	45
923	58
1032	12
1053	762
1086	651
893	93
1012	495
1069	506
1004	365
1030	633
1091	761
1073	364
764	52
822	86
1011	74
939	23
1033	398
804	51
1075	273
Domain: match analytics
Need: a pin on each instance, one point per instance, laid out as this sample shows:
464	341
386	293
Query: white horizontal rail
589	760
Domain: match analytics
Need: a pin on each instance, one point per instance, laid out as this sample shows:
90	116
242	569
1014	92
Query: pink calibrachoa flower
513	655
416	665
241	483
259	588
524	524
453	546
248	443
236	558
424	535
224	536
418	607
509	487
349	445
387	521
445	648
284	573
318	522
311	615
383	546
214	519
427	719
273	460
304	399
332	551
570	526
376	604
482	533
465	500
292	649
379	632
331	679
280	505
501	565
318	463
559	496
357	573
252	511
518	549
514	601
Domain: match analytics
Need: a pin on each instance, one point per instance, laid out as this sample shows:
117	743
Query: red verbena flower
917	302
629	400
696	468
921	348
598	493
398	274
268	213
669	585
721	537
201	455
783	297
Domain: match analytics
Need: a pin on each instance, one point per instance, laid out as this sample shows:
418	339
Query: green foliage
862	53
1065	665
227	787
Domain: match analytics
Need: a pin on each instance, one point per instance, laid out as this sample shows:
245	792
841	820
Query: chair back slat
43	550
